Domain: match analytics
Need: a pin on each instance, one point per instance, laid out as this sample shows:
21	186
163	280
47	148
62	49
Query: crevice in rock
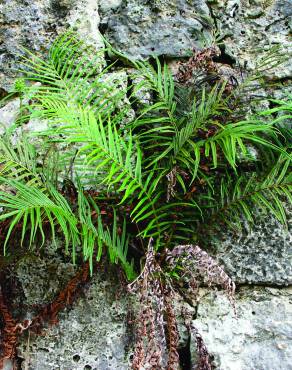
224	58
61	10
185	355
18	362
129	93
214	18
281	80
274	22
103	27
262	285
3	93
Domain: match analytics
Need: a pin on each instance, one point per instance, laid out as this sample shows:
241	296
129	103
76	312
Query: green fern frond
33	208
284	107
19	161
177	144
169	165
120	158
230	140
160	82
67	77
95	235
30	206
233	137
239	198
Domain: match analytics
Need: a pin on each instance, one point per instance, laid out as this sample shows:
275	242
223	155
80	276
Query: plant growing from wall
151	188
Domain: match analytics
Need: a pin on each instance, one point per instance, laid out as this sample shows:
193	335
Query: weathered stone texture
258	338
251	28
160	27
8	115
34	24
261	254
92	335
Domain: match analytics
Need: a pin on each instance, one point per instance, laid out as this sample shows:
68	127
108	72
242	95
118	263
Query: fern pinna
151	186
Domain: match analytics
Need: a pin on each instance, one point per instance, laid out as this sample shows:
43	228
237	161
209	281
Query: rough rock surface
159	27
42	277
258	255
8	115
259	338
34	24
92	335
252	27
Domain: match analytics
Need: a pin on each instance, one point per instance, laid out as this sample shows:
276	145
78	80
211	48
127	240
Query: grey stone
251	28
43	276
119	80
258	338
34	24
259	255
162	27
92	335
84	18
106	5
64	3
8	114
7	364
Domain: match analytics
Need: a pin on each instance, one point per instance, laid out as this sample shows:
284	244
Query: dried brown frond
12	329
157	334
202	62
171	183
204	358
201	68
65	298
205	361
200	266
172	331
9	333
150	337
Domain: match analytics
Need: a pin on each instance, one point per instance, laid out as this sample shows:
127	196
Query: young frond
19	161
232	139
95	235
210	105
31	207
274	57
241	196
180	143
284	107
67	77
160	82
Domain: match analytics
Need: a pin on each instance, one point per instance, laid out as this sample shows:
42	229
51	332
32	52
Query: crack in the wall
214	18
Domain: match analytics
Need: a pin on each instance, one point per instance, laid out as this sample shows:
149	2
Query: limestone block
160	27
258	338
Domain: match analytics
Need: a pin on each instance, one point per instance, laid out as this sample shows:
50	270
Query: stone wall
93	334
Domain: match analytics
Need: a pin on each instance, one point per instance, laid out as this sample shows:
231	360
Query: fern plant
152	185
